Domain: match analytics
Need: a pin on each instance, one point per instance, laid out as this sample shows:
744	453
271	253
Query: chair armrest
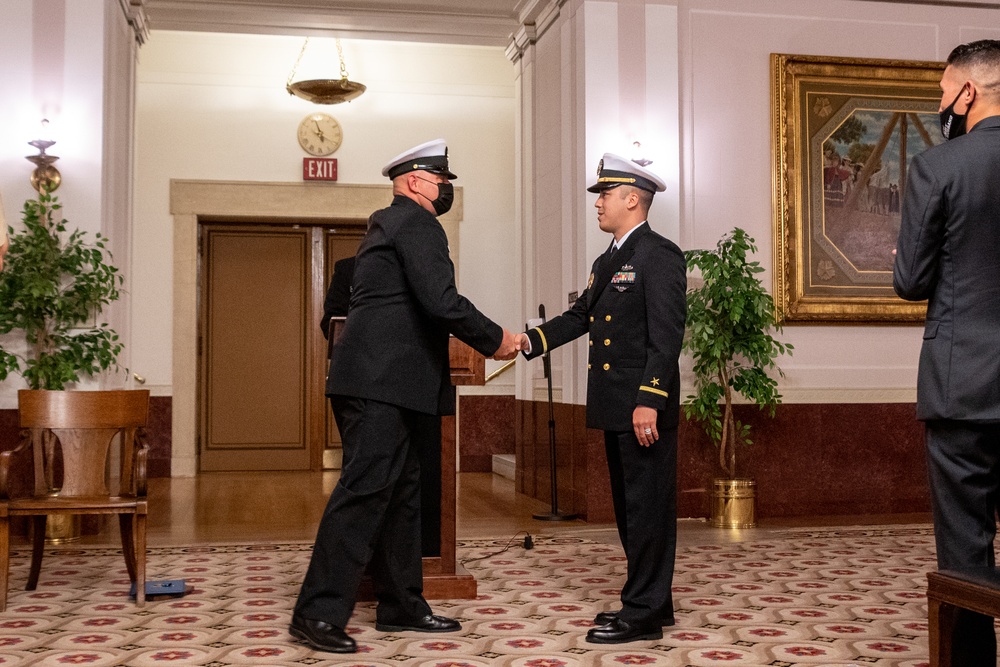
5	463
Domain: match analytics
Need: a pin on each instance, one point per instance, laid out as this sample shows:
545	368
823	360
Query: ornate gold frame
812	98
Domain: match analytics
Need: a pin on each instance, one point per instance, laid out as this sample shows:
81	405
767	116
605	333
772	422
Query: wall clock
320	134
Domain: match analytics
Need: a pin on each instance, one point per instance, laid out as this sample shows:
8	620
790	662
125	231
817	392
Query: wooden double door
262	355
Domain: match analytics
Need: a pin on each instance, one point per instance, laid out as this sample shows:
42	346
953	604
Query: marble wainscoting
809	460
485	428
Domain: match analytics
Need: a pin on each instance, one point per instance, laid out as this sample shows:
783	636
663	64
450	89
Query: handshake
511	345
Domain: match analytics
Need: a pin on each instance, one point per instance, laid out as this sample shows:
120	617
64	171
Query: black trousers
963	461
372	518
644	492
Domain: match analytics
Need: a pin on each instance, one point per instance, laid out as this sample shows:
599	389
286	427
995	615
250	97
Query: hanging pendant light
325	91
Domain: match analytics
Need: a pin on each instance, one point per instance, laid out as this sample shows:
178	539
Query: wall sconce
639	159
45	177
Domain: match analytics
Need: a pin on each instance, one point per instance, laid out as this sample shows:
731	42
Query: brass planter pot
733	503
62	528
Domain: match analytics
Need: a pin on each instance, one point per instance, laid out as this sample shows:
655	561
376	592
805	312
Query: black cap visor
435	164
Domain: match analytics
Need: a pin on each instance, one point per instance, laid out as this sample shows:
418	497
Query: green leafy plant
52	284
729	323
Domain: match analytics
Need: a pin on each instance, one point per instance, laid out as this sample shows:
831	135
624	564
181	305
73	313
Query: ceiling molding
459	22
535	17
135	14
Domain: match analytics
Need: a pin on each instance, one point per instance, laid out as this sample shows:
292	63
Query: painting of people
845	132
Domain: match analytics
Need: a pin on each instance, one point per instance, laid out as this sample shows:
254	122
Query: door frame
249	202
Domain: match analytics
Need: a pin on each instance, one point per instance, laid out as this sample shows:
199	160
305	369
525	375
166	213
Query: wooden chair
81	426
976	589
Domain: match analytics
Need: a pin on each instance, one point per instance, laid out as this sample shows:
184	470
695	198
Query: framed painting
844	131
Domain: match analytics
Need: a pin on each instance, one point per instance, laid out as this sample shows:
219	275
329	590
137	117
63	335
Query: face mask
446	196
953	124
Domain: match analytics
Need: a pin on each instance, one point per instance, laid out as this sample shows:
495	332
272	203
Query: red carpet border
844	597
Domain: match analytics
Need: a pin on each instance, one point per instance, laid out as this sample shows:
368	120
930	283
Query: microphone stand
554	515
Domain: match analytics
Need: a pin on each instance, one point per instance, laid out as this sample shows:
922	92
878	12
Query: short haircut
981	59
645	196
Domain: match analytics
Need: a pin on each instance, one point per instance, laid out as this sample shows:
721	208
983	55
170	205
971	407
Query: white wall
213	106
54	56
720	166
602	76
726	163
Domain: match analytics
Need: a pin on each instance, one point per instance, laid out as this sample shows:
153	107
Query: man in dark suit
949	253
336	304
634	310
388	375
338	295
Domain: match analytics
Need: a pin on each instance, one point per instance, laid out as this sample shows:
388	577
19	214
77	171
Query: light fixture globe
326	91
45	177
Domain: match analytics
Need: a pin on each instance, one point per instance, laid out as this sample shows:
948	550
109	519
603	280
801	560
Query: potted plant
53	288
730	321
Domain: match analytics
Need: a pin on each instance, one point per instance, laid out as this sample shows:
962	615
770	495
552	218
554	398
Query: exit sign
319	169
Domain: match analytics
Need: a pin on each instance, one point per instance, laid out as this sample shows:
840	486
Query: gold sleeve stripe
658	392
545	343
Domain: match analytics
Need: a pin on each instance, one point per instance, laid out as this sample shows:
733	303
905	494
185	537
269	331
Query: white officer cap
430	156
614	170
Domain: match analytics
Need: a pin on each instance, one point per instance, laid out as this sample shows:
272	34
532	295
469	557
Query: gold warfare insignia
591	281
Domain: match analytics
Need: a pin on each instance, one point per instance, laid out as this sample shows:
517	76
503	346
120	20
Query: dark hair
981	59
645	197
981	52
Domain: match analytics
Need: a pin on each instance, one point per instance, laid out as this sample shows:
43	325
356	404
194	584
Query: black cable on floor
527	543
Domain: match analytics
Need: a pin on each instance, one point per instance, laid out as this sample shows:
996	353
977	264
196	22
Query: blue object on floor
159	590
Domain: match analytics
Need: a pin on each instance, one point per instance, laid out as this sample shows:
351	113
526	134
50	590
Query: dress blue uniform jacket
404	305
634	308
949	252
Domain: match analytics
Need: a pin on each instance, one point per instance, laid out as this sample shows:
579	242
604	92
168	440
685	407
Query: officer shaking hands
634	309
388	384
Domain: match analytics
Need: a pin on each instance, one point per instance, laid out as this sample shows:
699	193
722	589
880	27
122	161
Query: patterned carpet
816	597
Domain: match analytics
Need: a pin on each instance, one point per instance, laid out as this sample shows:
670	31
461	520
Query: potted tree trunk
52	290
730	322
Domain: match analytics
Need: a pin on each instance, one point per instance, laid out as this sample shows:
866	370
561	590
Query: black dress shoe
321	635
429	623
605	617
620	632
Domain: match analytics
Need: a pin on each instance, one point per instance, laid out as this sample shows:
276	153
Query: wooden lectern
444	576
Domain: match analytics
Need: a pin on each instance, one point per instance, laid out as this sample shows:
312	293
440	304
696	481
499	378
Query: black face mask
953	124
446	196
